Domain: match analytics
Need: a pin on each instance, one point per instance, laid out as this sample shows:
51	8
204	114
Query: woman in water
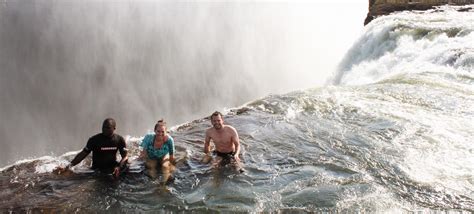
158	150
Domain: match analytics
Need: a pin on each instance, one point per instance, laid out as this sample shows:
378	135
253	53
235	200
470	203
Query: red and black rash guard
104	150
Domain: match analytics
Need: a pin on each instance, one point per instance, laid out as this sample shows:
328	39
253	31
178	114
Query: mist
65	66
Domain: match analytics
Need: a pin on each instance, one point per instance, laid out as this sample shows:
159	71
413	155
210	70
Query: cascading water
392	134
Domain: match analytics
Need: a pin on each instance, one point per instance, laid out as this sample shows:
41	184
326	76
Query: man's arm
124	154
207	143
121	165
236	142
79	157
124	160
83	154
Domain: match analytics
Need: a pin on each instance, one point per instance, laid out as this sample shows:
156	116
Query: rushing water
392	134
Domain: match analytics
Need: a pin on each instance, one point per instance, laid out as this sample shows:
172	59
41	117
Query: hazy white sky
321	32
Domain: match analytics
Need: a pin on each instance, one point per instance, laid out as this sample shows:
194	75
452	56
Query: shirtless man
225	139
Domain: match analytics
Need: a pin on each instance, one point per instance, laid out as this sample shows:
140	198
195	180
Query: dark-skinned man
104	147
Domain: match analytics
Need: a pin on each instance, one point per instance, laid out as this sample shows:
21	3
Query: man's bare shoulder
230	128
209	131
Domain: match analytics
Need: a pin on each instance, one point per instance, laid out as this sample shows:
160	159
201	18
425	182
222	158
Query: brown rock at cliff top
383	7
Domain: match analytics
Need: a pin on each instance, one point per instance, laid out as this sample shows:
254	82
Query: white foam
398	44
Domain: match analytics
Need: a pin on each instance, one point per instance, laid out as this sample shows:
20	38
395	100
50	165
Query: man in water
225	139
104	147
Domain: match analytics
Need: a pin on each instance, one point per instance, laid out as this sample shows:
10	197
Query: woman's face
160	131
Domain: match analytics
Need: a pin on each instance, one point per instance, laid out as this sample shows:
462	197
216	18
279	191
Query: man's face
108	129
217	122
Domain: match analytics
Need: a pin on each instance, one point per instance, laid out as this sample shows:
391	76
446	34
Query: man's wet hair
160	122
108	121
216	113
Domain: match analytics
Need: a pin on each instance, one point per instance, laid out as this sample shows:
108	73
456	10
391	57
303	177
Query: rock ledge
383	7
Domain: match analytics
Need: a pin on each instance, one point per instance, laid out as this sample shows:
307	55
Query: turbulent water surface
392	134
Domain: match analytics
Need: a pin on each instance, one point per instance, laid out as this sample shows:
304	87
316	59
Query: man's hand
238	164
206	159
236	157
62	170
116	172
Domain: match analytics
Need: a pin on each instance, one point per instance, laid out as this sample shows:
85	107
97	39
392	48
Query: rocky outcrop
384	7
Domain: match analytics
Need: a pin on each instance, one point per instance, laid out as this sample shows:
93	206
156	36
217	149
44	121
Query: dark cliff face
384	7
